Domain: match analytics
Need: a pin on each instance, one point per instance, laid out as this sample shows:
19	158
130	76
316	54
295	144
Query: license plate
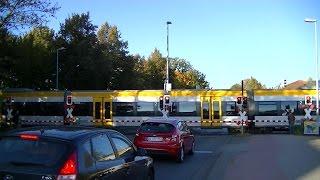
157	139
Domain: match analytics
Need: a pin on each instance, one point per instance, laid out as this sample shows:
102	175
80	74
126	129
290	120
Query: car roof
70	133
172	121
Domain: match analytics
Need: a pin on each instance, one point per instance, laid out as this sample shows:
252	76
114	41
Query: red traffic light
167	99
245	102
69	100
308	100
161	103
239	100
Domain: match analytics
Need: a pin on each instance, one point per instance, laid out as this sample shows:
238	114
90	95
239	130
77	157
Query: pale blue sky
227	40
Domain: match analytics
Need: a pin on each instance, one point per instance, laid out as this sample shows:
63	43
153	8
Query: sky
227	40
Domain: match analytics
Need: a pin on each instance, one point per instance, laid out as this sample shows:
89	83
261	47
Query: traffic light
166	99
161	103
308	100
239	100
69	100
245	102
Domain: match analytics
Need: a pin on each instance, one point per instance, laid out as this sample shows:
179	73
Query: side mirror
141	152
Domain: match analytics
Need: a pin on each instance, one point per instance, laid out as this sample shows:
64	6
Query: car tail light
69	169
29	137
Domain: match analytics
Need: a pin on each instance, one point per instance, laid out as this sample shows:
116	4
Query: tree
27	60
155	70
103	33
34	66
122	75
185	76
249	84
82	62
8	43
141	80
91	60
15	14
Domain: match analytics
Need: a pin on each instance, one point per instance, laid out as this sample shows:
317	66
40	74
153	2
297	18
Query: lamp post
167	77
314	21
57	73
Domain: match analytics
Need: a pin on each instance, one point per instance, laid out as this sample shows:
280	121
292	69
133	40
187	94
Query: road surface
256	157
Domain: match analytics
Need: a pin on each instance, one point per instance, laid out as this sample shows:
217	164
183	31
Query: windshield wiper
20	163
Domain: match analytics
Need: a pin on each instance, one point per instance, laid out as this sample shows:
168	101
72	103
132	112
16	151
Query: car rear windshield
156	127
19	152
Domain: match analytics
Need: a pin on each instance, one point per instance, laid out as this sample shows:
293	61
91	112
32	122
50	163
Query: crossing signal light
69	100
161	102
167	99
308	100
245	102
239	100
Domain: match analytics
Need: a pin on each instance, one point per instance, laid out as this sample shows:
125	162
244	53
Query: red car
165	136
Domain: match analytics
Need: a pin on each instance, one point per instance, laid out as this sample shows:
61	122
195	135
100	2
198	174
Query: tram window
52	108
299	110
205	110
40	108
107	110
229	108
216	110
145	108
123	109
28	108
83	109
267	108
289	105
97	109
187	108
157	109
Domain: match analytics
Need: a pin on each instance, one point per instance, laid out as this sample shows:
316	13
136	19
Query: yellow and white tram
202	108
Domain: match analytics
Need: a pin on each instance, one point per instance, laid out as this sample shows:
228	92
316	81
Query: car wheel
180	157
150	175
192	148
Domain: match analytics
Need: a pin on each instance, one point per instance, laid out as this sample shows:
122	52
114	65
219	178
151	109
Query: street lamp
57	73
314	21
167	77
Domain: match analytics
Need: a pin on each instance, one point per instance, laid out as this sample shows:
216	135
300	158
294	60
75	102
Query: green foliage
7	61
155	70
25	13
186	77
34	59
249	84
93	59
83	64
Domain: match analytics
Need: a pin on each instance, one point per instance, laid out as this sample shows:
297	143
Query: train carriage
272	106
200	108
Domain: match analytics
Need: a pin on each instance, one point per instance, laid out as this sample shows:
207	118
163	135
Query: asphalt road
256	157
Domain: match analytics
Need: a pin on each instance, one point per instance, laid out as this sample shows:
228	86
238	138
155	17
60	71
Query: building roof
296	85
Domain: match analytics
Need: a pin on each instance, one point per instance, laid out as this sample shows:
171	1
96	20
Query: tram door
102	114
210	112
216	112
